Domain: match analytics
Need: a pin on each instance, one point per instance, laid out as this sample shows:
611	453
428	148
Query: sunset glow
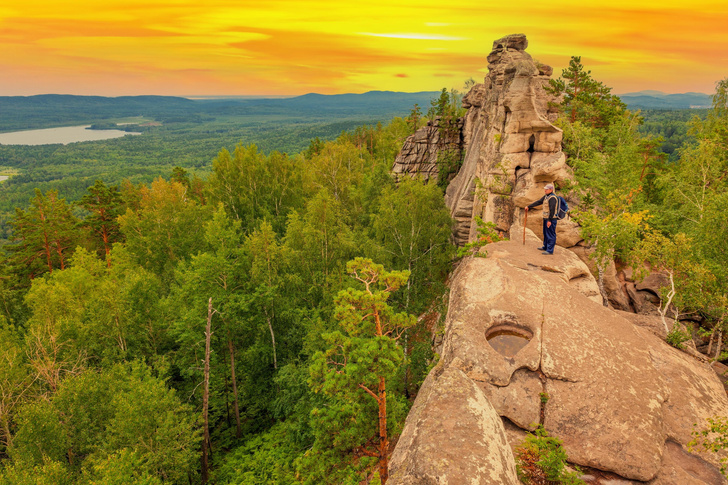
291	47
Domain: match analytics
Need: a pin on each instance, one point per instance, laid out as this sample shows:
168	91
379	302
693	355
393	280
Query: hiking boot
547	253
542	248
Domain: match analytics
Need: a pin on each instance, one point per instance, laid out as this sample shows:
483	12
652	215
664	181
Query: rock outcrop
420	152
620	398
512	147
527	340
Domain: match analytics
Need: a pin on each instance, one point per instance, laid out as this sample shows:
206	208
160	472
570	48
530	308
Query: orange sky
290	47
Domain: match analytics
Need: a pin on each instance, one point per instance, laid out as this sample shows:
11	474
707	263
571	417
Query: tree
585	99
15	381
90	312
414	228
105	205
414	118
265	279
162	231
319	243
612	231
44	235
120	414
361	357
252	186
220	273
689	281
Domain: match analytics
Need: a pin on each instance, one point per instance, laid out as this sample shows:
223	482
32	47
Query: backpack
562	208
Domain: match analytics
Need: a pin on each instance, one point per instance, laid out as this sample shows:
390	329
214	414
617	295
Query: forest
250	320
185	134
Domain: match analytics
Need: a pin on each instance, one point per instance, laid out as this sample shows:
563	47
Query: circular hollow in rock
508	340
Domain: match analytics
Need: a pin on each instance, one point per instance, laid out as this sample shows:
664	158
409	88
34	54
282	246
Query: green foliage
690	283
158	246
676	337
104	205
413	227
44	236
446	112
714	439
48	473
487	234
254	186
351	372
265	458
542	459
123	418
585	99
271	251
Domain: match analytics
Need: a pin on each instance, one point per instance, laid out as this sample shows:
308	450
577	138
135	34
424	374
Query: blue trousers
549	236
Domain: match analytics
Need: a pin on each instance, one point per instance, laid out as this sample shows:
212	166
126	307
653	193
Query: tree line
109	374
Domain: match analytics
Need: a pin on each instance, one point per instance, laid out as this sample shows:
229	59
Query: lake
64	135
3	178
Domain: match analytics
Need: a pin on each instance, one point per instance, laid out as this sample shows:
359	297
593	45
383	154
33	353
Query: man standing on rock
550	203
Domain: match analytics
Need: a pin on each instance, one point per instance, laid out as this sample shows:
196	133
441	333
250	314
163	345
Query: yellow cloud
297	46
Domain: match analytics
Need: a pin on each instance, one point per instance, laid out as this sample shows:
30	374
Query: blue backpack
562	208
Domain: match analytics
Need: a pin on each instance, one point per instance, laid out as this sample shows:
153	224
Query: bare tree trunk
238	430
602	290
273	339
712	338
719	345
670	296
383	442
206	397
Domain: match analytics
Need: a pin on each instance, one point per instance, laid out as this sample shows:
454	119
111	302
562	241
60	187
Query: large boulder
452	436
619	398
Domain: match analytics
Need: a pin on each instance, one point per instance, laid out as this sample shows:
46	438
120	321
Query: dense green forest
190	135
250	320
112	313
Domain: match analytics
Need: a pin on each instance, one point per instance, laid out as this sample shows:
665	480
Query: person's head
548	188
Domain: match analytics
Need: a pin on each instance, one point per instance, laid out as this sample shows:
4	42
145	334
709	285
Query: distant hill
49	110
658	100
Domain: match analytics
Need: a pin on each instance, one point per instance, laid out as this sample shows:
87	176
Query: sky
293	47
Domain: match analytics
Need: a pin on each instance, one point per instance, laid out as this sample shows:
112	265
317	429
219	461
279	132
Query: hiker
550	204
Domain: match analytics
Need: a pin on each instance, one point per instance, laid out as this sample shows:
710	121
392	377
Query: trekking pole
525	218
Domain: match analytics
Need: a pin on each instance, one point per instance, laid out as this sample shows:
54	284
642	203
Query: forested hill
49	110
659	100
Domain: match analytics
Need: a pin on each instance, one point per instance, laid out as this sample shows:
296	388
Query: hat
548	186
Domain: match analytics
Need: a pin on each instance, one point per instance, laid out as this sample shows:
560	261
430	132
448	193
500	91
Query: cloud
413	36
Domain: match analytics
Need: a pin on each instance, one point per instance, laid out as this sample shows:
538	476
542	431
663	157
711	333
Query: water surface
507	342
63	135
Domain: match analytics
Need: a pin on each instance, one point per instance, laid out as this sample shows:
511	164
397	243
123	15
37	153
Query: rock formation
420	152
527	339
620	398
512	147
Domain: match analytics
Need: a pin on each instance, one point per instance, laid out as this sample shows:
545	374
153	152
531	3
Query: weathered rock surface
621	399
419	154
511	145
452	436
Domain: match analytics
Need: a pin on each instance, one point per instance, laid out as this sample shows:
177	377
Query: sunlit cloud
414	36
290	47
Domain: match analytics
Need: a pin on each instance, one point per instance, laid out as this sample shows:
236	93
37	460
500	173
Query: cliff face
620	398
522	326
512	147
420	152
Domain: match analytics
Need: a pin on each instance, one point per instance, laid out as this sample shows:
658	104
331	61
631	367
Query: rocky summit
527	340
621	399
